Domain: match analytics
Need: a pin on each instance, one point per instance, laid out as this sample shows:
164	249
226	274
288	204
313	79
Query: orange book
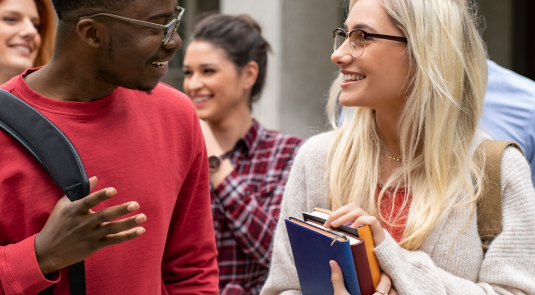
363	232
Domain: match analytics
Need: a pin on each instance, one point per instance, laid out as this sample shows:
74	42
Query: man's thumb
92	182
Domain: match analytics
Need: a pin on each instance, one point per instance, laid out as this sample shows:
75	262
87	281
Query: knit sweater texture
450	260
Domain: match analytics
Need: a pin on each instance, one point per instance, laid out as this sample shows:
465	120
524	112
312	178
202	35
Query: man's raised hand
74	232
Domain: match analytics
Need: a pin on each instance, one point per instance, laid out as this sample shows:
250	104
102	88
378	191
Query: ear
249	74
89	32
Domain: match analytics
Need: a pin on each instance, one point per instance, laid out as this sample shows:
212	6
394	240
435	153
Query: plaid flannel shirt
246	206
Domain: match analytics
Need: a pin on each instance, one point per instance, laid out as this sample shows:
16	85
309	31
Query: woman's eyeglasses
358	38
168	29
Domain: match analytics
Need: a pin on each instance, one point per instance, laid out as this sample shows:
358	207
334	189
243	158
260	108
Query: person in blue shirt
508	110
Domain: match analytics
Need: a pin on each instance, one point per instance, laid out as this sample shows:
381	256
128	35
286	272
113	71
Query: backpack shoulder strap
489	205
55	152
46	142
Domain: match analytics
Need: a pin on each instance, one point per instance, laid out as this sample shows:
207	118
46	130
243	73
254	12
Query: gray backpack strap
55	152
489	205
52	149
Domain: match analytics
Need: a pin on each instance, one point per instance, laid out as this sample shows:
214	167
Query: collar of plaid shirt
250	140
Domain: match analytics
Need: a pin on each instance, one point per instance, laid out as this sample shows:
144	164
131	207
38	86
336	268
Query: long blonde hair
437	125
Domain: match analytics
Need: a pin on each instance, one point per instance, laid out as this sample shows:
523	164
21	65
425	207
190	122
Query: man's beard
107	74
114	78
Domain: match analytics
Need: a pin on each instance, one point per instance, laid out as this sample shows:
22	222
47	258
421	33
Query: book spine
348	270
364	276
365	233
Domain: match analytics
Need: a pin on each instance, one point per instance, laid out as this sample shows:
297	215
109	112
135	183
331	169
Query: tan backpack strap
489	205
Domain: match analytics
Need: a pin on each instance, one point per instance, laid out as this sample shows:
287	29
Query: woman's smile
351	78
201	100
22	49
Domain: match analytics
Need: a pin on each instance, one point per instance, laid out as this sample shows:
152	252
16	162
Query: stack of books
313	246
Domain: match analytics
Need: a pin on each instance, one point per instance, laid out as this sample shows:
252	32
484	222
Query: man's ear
89	32
249	74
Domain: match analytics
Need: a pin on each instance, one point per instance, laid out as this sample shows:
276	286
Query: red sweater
391	211
151	149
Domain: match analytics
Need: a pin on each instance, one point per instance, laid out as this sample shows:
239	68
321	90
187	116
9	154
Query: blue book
313	248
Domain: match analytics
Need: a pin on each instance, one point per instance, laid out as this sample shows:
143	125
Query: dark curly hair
70	10
241	39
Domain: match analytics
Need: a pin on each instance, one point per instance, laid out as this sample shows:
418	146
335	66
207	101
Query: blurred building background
300	70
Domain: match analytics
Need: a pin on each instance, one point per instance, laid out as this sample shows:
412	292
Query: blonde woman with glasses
416	72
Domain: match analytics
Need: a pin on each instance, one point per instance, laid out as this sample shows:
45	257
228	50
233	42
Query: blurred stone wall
300	69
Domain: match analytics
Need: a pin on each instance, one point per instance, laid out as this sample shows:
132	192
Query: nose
192	84
342	56
28	29
174	43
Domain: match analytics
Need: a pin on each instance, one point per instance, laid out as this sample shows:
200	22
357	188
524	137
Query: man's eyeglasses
168	29
358	39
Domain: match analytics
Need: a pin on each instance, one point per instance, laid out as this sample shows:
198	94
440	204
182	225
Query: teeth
22	48
200	99
160	64
353	77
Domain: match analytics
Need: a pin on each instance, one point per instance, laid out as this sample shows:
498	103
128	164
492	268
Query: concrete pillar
300	70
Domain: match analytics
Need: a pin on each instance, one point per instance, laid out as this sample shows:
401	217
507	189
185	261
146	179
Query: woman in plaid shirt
225	69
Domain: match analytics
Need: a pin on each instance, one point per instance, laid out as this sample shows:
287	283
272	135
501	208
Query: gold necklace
397	159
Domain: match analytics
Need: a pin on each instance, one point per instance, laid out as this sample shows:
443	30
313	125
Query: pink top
391	211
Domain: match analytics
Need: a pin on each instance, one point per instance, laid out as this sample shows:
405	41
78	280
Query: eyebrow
18	13
362	27
202	65
161	15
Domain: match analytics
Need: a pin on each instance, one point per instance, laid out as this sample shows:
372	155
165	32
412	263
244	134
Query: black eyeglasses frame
366	35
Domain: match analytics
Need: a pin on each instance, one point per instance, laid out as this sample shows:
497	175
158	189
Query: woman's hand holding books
354	215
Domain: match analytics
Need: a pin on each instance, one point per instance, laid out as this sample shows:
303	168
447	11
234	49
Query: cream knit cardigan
440	266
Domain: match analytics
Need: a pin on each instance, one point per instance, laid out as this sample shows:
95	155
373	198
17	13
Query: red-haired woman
27	30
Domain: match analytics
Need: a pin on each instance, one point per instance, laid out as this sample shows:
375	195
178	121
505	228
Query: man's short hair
69	10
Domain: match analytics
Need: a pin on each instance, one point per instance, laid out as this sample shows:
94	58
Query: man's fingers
92	182
383	288
111	213
112	228
337	278
63	202
123	236
94	199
